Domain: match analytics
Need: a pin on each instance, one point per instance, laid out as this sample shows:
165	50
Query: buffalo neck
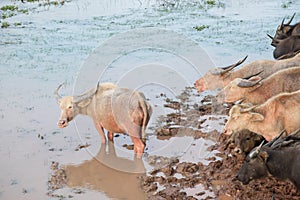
269	130
86	110
285	158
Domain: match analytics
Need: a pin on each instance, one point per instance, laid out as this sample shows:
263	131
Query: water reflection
115	176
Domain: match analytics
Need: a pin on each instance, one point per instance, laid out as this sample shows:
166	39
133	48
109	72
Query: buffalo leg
110	136
139	146
100	131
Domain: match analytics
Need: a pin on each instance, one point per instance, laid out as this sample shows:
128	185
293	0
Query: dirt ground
172	178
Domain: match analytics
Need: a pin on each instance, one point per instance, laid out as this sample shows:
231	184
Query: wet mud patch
215	180
58	178
173	178
190	118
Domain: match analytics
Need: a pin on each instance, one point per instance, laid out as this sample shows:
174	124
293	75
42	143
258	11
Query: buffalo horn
248	77
56	95
270	143
259	147
247	83
256	151
291	19
270	36
295	132
223	70
281	25
86	95
243	110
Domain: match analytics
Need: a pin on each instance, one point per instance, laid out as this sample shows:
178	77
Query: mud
218	177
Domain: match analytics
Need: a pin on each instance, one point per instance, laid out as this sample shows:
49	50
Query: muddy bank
209	181
217	180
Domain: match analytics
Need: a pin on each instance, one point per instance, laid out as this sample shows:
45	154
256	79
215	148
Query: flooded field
157	47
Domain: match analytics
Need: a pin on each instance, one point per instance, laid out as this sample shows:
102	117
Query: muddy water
51	47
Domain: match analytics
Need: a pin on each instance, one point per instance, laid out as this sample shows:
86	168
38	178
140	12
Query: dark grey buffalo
285	30
280	158
287	47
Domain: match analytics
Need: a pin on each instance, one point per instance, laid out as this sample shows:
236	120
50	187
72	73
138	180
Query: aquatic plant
202	4
200	28
17	24
286	4
9	7
4	25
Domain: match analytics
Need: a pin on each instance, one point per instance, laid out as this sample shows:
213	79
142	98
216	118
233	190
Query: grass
17	24
4	25
9	7
12	10
211	2
200	28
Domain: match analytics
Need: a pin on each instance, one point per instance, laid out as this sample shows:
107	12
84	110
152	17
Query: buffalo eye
247	138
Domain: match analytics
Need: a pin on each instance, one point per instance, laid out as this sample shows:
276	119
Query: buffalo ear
84	103
257	117
264	155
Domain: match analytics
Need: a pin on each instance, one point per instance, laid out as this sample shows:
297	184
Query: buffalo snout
238	150
62	123
227	131
244	179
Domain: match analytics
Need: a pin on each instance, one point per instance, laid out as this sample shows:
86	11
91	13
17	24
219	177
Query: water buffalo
280	158
257	91
285	30
220	77
287	46
118	110
279	112
245	141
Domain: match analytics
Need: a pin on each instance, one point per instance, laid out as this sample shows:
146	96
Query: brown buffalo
257	91
245	141
118	110
220	77
277	113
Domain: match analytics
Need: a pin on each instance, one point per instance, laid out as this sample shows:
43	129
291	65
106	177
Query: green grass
200	28
17	24
211	2
4	25
9	7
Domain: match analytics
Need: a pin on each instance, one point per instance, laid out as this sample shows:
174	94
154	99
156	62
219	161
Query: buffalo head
240	116
71	105
215	77
254	166
238	89
284	30
246	140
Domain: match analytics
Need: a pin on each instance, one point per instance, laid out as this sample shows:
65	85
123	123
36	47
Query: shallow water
54	45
